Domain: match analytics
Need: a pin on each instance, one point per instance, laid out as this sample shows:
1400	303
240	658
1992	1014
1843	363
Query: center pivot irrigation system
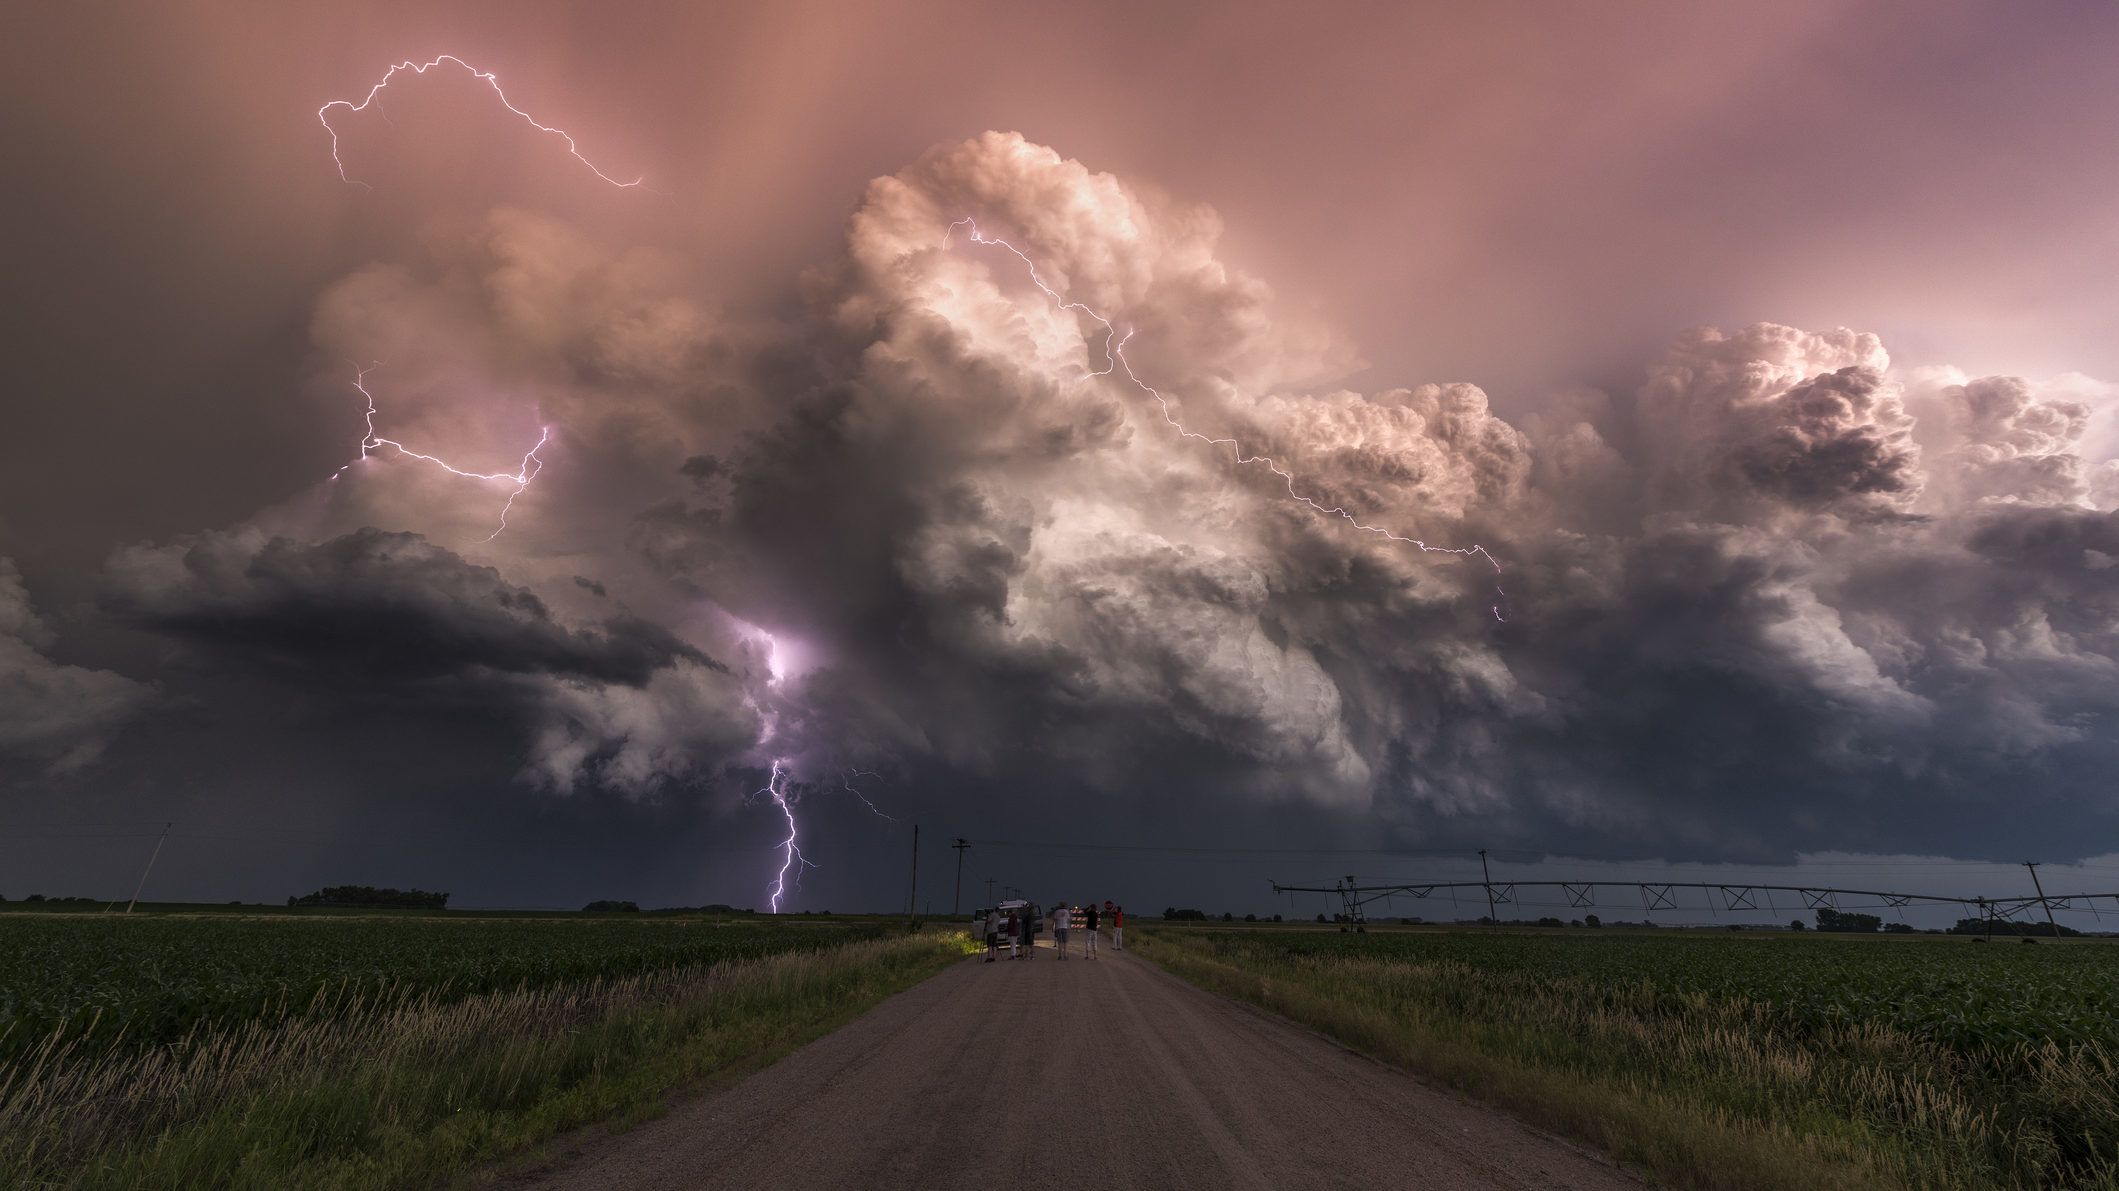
1695	896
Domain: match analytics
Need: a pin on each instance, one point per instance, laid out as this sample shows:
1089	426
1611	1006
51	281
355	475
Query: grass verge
385	1092
1697	1091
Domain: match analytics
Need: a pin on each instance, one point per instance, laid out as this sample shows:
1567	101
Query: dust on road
1040	1073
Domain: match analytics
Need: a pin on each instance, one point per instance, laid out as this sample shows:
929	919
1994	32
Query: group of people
1018	928
1087	918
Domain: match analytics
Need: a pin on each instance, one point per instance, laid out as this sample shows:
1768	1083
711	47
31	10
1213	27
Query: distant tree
1898	928
611	907
1320	917
1796	924
2005	926
1549	922
1591	920
1227	917
1174	914
1846	923
368	895
1250	918
34	897
1276	917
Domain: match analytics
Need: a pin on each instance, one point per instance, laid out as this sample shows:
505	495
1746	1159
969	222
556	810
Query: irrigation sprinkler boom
1671	895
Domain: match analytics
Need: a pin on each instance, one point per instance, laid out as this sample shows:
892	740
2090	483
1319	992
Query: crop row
150	980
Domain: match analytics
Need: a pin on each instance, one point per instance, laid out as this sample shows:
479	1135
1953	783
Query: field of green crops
391	1051
1966	996
1729	1061
149	980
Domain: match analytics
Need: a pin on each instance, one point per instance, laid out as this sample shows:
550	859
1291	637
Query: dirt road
1043	1073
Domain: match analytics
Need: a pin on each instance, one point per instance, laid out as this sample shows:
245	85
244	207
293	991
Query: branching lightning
1115	361
323	115
846	779
520	477
531	464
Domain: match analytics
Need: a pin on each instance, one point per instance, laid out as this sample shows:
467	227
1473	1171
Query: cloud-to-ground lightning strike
791	851
323	115
1115	360
782	790
520	477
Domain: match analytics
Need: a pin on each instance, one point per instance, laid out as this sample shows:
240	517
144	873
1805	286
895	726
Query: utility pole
1491	917
151	856
956	904
989	891
2040	887
912	895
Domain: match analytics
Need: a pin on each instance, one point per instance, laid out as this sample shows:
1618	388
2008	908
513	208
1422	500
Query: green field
391	1051
150	980
1730	1061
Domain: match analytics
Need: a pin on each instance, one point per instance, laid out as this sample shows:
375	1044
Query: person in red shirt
1118	928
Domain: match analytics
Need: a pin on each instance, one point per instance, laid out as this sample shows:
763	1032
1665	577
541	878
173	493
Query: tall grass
1699	1090
371	1090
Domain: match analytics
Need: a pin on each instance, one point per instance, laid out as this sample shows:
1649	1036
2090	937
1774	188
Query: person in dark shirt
1089	936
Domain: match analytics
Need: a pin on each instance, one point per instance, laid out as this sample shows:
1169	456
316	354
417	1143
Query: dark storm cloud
53	716
379	605
619	701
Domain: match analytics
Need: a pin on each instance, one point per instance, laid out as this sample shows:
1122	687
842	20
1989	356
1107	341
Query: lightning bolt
1115	361
846	779
776	788
520	477
531	464
323	116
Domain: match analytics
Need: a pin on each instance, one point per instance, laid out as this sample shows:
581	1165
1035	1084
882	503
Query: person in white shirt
1060	914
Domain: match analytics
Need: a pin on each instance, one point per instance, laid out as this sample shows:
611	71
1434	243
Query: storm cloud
1762	589
54	717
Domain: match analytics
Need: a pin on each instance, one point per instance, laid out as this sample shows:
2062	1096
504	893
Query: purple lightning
846	779
781	787
1115	360
323	116
791	852
520	477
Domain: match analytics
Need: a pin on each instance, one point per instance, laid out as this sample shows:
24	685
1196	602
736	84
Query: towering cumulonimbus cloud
1787	594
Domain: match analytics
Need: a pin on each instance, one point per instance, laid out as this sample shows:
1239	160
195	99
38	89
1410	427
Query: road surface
1042	1073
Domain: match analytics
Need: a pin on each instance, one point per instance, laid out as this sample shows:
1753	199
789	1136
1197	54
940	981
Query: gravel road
1041	1073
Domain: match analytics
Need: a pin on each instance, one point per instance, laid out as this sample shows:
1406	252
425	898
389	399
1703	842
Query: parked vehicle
989	925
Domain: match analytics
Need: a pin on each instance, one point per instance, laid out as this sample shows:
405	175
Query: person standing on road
1060	914
1118	928
993	935
1015	936
1089	936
